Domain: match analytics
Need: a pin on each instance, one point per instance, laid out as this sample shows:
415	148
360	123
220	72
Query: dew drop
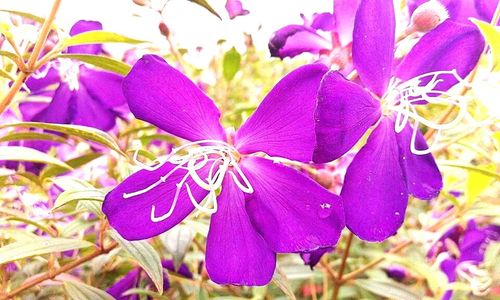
324	210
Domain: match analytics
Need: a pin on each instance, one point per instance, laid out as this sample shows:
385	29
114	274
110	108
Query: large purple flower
263	207
84	96
460	252
395	162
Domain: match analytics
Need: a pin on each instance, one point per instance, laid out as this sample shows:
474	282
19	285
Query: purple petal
422	174
345	12
235	8
90	112
61	108
450	46
131	217
293	40
236	253
131	280
291	211
38	84
163	96
29	109
374	192
84	26
486	9
104	86
448	266
183	269
344	112
373	43
283	124
323	21
312	258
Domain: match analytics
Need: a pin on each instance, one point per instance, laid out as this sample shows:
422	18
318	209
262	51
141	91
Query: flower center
218	157
69	71
402	99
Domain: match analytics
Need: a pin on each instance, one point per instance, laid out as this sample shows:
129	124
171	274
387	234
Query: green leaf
17	153
10	55
25	15
477	183
98	37
492	36
24	249
146	256
81	291
81	195
6	74
84	132
103	62
281	281
52	171
387	289
144	292
483	171
31	135
231	64
207	6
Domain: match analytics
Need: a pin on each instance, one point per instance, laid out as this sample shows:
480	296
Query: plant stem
338	282
67	267
42	37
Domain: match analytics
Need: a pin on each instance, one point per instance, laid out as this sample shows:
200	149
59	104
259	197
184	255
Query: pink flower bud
428	15
164	29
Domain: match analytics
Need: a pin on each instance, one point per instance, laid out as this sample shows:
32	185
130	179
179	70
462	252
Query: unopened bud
141	2
428	15
164	29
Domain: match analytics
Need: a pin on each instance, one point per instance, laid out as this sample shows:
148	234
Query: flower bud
164	29
141	2
428	15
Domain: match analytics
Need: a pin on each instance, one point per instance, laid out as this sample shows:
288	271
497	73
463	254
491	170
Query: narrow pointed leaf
17	153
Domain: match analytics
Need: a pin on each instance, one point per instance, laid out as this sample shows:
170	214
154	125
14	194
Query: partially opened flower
134	277
327	35
84	96
235	8
396	161
460	254
259	206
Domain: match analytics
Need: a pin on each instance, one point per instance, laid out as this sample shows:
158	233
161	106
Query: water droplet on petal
325	210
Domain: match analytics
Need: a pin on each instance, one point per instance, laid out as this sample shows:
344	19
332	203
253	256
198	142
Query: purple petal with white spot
163	96
236	253
373	43
374	193
291	211
283	124
344	113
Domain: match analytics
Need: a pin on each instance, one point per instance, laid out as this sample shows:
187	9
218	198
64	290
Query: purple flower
84	96
293	40
133	278
263	208
396	161
312	258
462	10
235	8
460	252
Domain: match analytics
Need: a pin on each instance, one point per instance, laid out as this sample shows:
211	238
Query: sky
192	26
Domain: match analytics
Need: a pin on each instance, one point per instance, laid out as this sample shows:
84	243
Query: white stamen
69	71
218	156
480	280
402	96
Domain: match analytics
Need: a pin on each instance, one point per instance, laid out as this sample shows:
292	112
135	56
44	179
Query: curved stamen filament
215	156
403	97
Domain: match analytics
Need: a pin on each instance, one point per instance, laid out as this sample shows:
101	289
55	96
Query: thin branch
338	283
63	269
